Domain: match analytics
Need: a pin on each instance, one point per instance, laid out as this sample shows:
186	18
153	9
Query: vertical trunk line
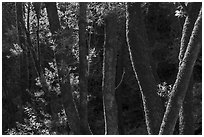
139	56
83	70
109	71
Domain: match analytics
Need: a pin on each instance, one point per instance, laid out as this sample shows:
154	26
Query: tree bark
120	72
182	81
186	115
34	58
52	16
83	71
30	81
188	27
109	71
37	8
29	46
70	106
23	57
186	118
152	21
118	91
138	50
65	87
118	96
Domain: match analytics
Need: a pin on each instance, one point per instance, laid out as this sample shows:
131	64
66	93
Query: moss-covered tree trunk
186	120
138	49
109	72
183	77
65	87
83	71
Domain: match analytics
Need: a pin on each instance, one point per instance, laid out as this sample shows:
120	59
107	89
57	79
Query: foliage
31	124
164	90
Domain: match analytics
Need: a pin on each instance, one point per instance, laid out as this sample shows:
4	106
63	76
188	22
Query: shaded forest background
69	68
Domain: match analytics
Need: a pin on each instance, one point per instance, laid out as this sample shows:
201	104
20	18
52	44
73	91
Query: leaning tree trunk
52	17
186	121
29	44
70	106
138	49
186	118
30	48
35	60
23	57
192	15
183	77
83	71
109	71
37	8
65	87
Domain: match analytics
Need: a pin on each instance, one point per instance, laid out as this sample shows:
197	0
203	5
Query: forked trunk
186	120
109	72
183	77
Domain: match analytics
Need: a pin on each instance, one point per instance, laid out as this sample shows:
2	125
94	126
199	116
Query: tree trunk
118	91
65	87
83	71
29	46
188	27
138	49
70	106
186	115
109	71
183	77
37	8
23	58
34	58
52	16
31	52
118	96
151	25
30	82
186	119
21	41
120	72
